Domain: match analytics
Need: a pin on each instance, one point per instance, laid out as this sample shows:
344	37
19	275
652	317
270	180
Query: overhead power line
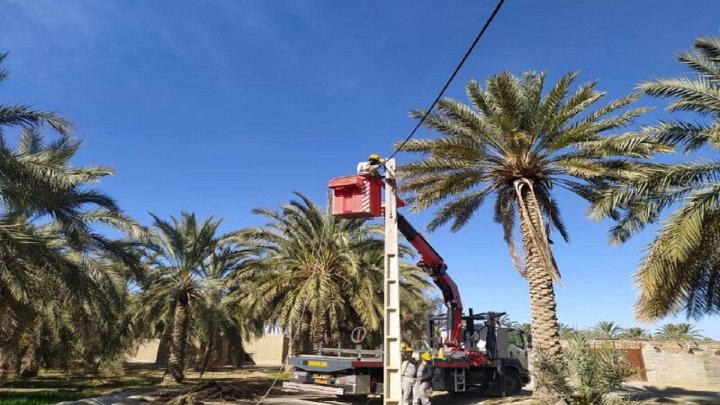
452	77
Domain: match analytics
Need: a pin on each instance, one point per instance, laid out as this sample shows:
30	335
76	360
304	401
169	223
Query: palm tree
516	144
678	331
607	329
55	269
54	265
188	261
316	272
679	271
636	333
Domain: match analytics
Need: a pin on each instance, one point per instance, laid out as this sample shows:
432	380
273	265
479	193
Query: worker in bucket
408	370
424	376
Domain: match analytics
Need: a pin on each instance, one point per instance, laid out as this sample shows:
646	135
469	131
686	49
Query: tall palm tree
316	273
516	144
188	262
680	269
607	329
678	331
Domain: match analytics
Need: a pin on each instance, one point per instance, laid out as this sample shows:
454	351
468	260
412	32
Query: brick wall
674	363
675	368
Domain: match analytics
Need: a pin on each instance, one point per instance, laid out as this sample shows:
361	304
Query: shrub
583	376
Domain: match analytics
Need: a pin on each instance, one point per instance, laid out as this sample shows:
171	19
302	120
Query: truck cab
497	356
511	343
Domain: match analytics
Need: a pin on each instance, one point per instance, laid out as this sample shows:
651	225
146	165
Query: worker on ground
423	380
408	369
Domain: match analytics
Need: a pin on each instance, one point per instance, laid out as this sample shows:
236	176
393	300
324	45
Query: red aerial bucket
357	196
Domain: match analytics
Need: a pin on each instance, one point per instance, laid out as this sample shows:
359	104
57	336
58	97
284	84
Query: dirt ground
642	392
139	384
645	394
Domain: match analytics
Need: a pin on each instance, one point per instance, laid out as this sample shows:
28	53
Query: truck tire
513	383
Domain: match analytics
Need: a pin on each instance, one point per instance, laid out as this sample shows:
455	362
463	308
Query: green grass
54	379
53	386
281	376
40	397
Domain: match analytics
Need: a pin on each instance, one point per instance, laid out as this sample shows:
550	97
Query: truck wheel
513	384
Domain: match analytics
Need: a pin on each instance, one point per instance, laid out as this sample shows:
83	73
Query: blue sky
223	106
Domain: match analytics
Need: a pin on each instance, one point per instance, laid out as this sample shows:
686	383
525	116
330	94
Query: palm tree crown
680	269
678	331
515	143
189	265
318	275
636	333
608	329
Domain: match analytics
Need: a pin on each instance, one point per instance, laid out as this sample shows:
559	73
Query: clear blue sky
219	107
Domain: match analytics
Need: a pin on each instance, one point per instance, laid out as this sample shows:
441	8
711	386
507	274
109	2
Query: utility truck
469	350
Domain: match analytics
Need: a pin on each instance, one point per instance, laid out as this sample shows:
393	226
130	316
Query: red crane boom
433	264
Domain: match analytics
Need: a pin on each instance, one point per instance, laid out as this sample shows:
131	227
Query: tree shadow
439	398
662	394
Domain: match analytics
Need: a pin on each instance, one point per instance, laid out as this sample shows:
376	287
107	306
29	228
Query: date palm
678	331
188	262
56	272
316	273
636	333
51	259
518	144
607	329
680	269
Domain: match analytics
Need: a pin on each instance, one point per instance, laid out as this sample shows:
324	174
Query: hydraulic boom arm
434	265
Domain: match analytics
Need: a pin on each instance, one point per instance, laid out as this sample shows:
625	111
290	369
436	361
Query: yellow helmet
405	347
426	356
374	157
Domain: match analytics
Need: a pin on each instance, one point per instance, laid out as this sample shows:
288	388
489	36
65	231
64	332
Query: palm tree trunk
176	362
32	362
543	308
303	340
17	363
206	357
237	353
318	337
161	358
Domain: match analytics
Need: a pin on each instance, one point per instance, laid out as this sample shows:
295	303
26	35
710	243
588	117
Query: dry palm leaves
215	391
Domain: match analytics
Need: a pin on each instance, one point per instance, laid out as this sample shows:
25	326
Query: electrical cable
398	149
452	77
